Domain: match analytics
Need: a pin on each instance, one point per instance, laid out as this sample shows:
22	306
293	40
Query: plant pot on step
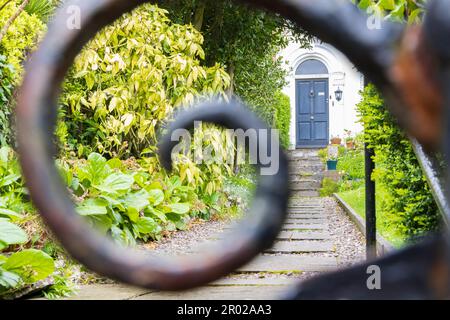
350	144
332	165
336	141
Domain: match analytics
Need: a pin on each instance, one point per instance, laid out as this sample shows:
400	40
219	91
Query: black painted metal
371	219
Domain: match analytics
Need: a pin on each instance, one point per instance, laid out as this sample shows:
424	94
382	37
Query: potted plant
350	142
349	139
332	164
336	140
332	157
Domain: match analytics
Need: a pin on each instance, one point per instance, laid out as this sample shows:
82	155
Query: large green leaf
101	222
147	225
10	214
9	179
8	279
115	183
137	200
31	265
11	234
156	196
95	170
179	208
93	207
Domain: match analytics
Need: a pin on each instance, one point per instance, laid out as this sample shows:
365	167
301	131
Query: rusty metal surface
410	65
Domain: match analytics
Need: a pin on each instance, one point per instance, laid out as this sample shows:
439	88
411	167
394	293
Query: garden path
317	237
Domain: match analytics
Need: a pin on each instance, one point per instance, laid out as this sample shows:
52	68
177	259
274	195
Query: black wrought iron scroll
410	66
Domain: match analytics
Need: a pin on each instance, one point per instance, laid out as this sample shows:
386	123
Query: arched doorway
312	109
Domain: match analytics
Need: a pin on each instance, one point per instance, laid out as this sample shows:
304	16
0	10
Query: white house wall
342	73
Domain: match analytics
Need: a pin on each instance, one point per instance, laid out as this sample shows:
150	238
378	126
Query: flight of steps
306	171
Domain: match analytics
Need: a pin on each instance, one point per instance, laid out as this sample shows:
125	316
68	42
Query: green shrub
20	38
6	88
127	81
282	119
351	164
40	8
329	186
14	47
408	203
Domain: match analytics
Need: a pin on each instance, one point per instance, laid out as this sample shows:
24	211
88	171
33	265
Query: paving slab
107	292
305	221
290	263
299	235
306	211
299	226
301	246
295	215
220	293
238	281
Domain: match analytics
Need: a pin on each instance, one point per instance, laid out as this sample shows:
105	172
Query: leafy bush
6	88
329	186
122	199
351	164
20	38
282	119
408	202
40	8
128	80
24	266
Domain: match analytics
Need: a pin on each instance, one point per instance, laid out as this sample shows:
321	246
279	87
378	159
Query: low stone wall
383	246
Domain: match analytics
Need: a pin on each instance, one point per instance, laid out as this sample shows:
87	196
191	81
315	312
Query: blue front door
312	112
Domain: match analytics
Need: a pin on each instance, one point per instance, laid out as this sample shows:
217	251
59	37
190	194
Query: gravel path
181	242
349	242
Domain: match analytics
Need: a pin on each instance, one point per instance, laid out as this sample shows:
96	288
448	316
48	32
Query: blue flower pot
332	165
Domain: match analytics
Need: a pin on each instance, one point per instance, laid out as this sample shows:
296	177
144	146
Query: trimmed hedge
409	203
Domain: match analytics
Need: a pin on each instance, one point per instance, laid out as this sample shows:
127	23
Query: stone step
299	226
297	204
311	178
303	153
298	215
305	221
295	210
299	235
290	263
300	246
311	169
306	163
219	293
308	193
304	156
305	185
238	281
